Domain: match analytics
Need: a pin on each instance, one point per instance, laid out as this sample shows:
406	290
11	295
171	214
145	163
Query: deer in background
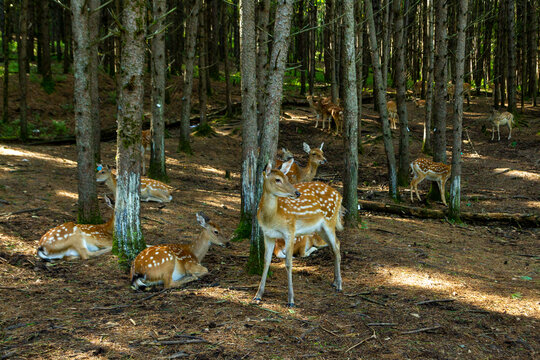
174	265
151	190
392	114
286	211
336	113
318	107
417	90
497	119
304	246
434	171
467	92
451	89
77	240
146	142
301	174
284	155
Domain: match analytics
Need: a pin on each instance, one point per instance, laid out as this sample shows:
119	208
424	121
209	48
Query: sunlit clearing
68	194
447	286
34	155
518	173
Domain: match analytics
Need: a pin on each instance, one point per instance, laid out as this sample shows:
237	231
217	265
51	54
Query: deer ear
286	166
202	219
321	145
306	148
267	169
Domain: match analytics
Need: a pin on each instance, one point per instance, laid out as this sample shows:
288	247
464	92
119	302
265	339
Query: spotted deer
392	114
284	154
146	142
174	265
318	107
497	119
286	211
301	174
72	240
151	190
467	88
417	89
451	89
434	171
304	246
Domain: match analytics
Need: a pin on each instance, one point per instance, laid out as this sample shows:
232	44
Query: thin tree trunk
67	41
350	176
511	48
157	169
94	76
225	40
426	141
23	28
203	99
359	65
533	52
191	42
47	82
334	89
381	100
455	187
441	40
128	238
270	130
262	59
88	206
387	30
5	50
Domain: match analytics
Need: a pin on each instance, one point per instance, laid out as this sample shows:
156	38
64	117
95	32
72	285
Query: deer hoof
257	300
290	305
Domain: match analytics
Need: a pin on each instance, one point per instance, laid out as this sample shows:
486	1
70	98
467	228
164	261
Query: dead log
524	220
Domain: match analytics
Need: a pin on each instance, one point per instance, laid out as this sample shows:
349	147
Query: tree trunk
511	48
387	30
157	169
350	176
381	100
533	52
128	238
191	42
249	119
426	141
94	76
439	114
270	130
23	85
225	41
5	51
334	89
67	42
47	82
262	59
400	80
455	187
359	65
88	206
203	99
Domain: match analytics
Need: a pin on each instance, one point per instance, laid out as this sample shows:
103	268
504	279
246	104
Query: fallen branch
150	219
369	300
381	324
23	211
435	301
328	331
421	330
373	336
177	355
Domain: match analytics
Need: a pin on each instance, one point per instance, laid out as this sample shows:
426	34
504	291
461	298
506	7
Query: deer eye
216	232
278	180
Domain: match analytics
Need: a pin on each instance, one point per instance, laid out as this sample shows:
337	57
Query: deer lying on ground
420	103
151	190
392	114
146	142
286	211
497	119
434	171
304	246
301	174
284	154
174	265
77	240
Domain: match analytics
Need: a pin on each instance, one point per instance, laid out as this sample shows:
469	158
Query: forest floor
486	276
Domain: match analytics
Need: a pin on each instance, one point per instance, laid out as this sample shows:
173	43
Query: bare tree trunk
387	30
381	100
400	80
128	238
23	85
455	187
47	82
88	206
191	42
262	59
5	50
350	176
511	57
157	169
226	61
334	89
94	76
203	99
426	141
533	52
67	41
441	43
359	64
270	130
249	121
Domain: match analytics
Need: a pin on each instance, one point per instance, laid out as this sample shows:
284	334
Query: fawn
301	174
174	265
318	107
417	89
434	171
304	246
497	119
286	211
392	114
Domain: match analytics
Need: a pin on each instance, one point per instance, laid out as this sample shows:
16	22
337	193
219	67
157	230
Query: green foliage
10	129
112	97
155	172
92	219
243	230
184	147
67	107
204	130
48	85
59	128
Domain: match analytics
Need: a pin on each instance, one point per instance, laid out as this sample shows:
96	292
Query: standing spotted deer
174	265
319	106
392	114
434	171
286	211
501	118
301	174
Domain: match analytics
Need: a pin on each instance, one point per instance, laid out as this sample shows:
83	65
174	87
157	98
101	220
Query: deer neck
268	207
200	246
308	173
111	184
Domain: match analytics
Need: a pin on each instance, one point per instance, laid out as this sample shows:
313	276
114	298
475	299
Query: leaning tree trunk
191	42
157	169
5	50
350	176
128	238
47	82
511	47
94	76
249	117
88	206
400	81
426	141
381	100
270	130
23	85
455	187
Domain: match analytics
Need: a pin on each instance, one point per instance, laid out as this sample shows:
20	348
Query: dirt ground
487	275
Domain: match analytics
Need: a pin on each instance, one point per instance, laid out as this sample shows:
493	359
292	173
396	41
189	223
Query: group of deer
170	265
326	110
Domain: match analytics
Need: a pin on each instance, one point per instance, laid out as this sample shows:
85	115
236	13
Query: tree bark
511	57
226	61
381	100
5	50
426	141
157	169
47	82
67	41
262	59
359	65
94	76
191	42
533	52
455	187
23	85
203	99
439	115
128	238
270	130
88	206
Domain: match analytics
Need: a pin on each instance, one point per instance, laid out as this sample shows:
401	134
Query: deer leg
329	235
100	252
143	169
492	132
498	132
412	188
441	190
288	265
510	131
269	244
317	123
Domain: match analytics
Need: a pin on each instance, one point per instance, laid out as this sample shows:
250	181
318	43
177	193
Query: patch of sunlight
445	285
68	194
219	200
526	175
7	151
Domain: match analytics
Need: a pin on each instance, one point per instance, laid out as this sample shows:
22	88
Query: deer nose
297	194
323	161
